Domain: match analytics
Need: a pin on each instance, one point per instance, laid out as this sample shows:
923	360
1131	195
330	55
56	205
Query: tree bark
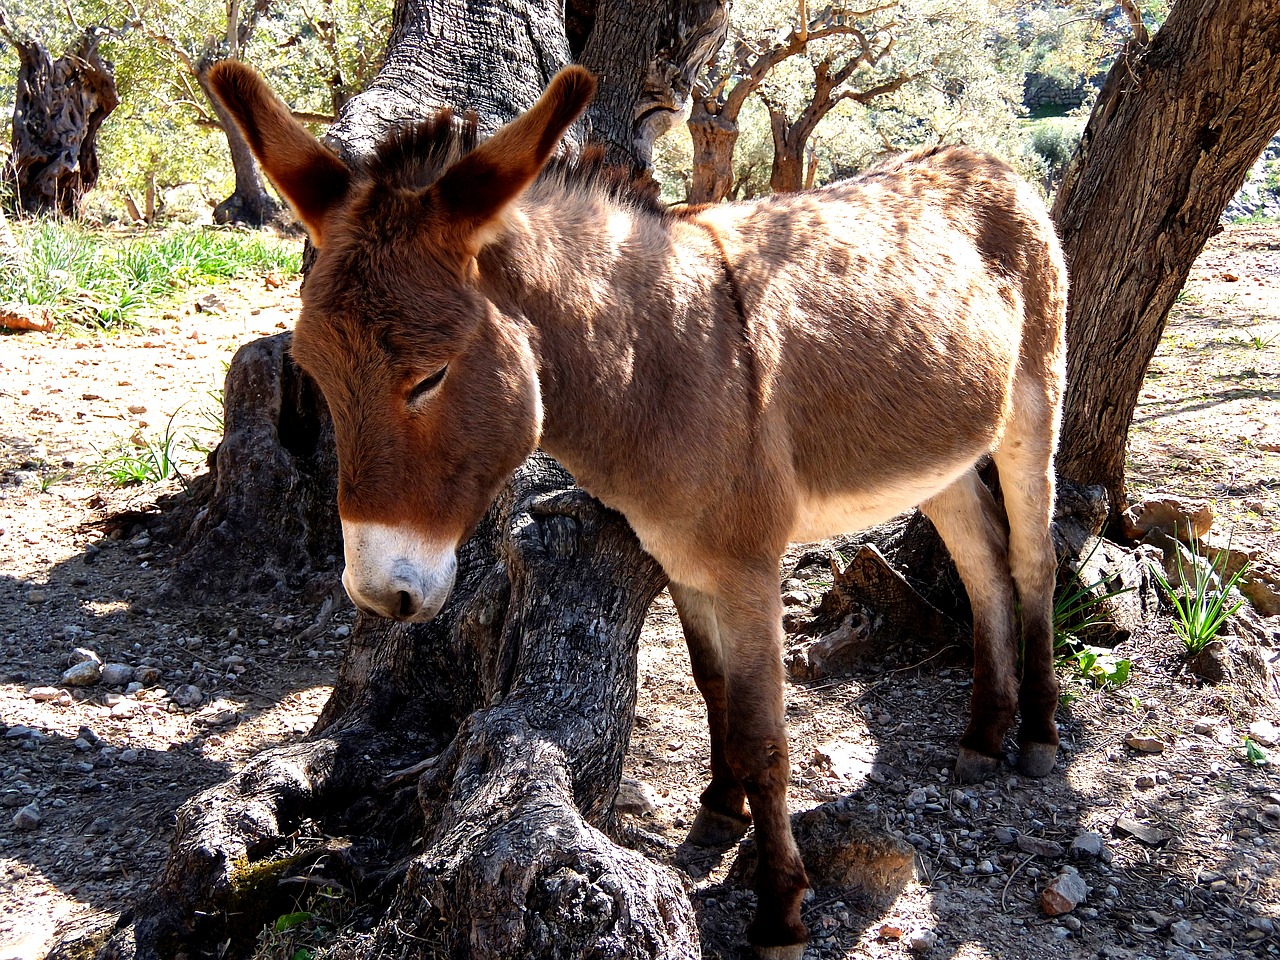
1176	127
494	735
58	107
714	140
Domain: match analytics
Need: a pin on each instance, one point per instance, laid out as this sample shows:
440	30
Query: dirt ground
1181	850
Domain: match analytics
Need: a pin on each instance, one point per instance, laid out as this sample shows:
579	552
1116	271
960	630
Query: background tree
1178	123
58	107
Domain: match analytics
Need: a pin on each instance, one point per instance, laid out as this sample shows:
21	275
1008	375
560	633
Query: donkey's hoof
714	829
1037	759
972	766
791	952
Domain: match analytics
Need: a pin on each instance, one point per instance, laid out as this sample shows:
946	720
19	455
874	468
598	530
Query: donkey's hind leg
1025	462
967	519
722	817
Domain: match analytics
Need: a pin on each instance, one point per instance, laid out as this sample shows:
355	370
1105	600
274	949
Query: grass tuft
1200	609
103	281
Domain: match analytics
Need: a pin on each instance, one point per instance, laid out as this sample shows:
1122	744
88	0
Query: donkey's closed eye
426	386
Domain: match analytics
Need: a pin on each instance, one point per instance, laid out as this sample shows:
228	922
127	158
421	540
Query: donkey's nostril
407	606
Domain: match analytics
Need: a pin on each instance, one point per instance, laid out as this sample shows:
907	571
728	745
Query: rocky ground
1155	830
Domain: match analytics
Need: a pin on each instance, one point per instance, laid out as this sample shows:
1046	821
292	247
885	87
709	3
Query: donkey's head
434	394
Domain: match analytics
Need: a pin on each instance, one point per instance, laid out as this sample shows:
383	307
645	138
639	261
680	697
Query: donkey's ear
306	173
475	190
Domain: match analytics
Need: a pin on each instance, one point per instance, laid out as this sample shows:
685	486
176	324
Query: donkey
730	378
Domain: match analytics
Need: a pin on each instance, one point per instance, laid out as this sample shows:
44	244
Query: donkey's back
901	324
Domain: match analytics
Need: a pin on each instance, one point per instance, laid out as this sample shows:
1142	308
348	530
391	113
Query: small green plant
1200	609
1254	755
1255	341
307	933
1078	607
153	461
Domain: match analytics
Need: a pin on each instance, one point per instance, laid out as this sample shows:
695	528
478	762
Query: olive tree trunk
58	107
1178	123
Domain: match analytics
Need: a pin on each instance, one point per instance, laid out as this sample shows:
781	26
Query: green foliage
91	278
1254	755
309	932
1078	607
150	461
1054	140
1200	599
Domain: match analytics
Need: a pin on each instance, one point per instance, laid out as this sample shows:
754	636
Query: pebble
42	694
1145	782
147	675
1144	744
1265	732
1087	844
116	674
129	756
99	826
921	940
27	818
1039	847
1063	894
125	708
187	695
36	596
84	674
83	654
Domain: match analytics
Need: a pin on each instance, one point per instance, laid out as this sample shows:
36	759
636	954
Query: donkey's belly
819	516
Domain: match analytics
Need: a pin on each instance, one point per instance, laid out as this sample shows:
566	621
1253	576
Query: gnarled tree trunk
58	107
1178	124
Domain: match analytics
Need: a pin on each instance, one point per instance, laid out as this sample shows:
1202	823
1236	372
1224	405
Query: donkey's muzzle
393	572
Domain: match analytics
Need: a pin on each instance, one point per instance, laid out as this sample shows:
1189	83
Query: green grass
104	281
1200	598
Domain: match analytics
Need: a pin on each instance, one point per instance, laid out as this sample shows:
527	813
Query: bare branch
1131	11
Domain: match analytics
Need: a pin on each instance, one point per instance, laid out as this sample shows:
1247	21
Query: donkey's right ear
307	174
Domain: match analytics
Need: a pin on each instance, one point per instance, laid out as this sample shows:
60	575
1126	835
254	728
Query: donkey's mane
412	156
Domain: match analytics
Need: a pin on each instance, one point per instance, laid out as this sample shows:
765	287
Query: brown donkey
730	378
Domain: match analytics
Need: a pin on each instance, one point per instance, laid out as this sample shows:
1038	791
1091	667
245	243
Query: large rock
1188	520
1121	592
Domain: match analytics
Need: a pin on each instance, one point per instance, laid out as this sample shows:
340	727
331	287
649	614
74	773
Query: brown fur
729	378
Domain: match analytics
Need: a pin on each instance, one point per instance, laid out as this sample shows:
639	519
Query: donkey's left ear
475	190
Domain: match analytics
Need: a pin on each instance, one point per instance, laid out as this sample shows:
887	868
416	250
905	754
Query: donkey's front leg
750	622
722	816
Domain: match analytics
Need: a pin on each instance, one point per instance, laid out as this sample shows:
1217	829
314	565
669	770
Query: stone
845	760
116	674
187	695
147	676
43	694
921	940
1186	520
1063	893
1145	782
129	756
125	708
99	826
27	818
1123	592
1143	833
84	674
1265	732
83	654
635	798
1144	744
1040	847
1087	844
